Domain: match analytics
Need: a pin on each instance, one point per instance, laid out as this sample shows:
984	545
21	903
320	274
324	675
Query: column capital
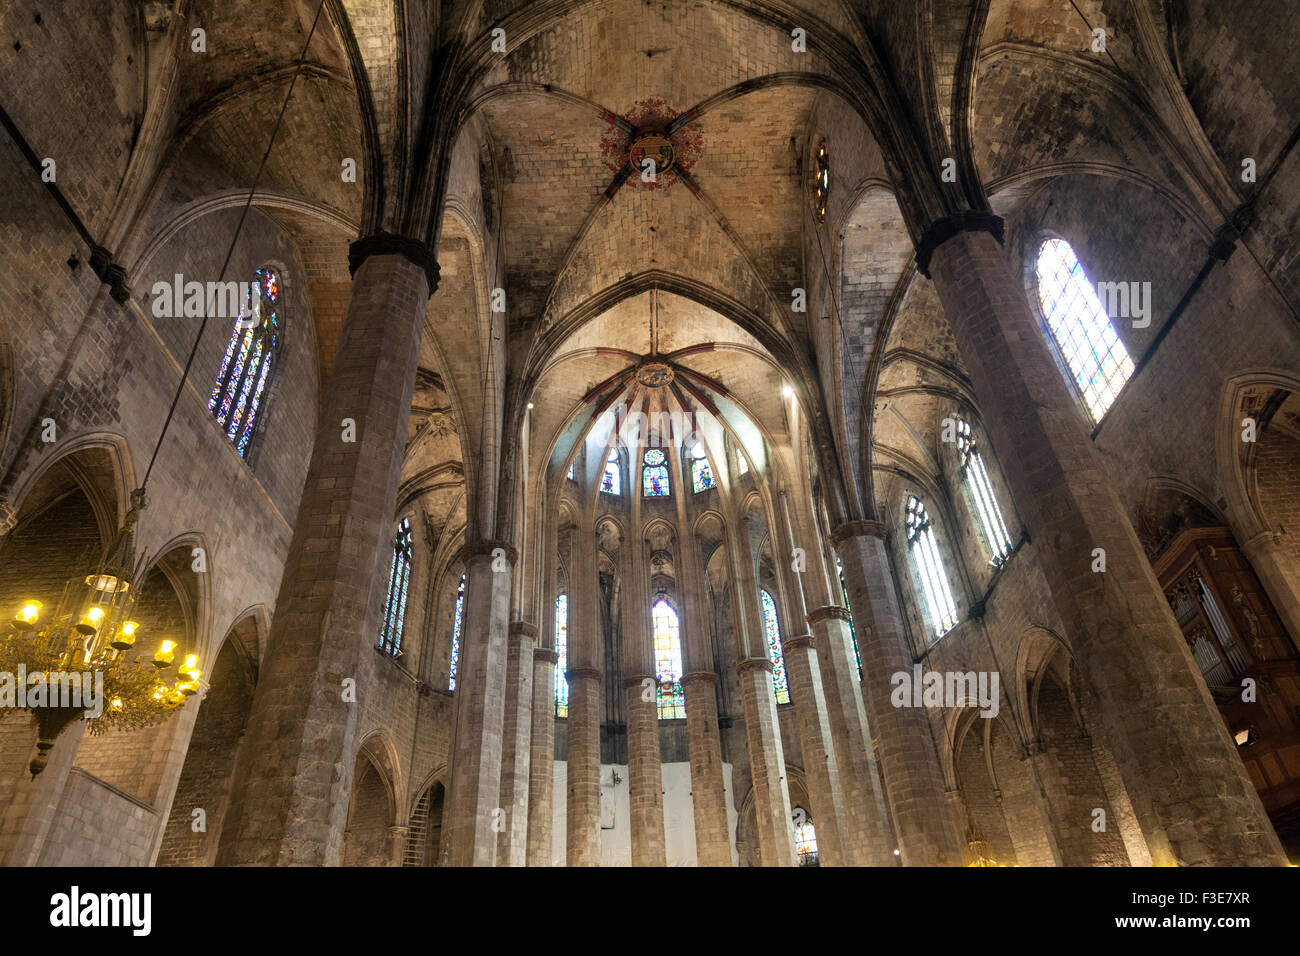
592	673
941	230
819	614
858	529
754	663
475	549
700	676
800	640
547	654
636	680
387	243
523	629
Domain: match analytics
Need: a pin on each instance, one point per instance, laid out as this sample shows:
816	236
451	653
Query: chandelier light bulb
166	653
116	703
125	636
27	615
90	621
189	670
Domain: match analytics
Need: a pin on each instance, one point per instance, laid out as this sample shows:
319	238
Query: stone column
541	766
644	760
820	767
517	721
804	677
708	786
766	763
290	797
1190	790
474	812
586	701
913	779
866	837
395	844
583	803
645	772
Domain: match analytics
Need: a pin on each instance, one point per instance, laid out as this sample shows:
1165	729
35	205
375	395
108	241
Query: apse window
654	474
980	490
239	395
561	655
399	581
668	660
1083	331
701	473
455	634
805	838
772	631
573	471
742	465
941	610
821	180
611	482
853	633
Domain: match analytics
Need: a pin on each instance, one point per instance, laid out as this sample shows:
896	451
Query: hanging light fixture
76	663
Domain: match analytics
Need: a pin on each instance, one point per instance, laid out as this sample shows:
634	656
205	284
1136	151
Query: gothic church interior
651	432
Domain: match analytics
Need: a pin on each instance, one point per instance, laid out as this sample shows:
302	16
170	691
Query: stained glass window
561	655
612	481
701	473
934	582
821	180
772	631
668	659
455	634
853	631
980	488
742	465
236	398
399	580
1083	331
805	838
654	474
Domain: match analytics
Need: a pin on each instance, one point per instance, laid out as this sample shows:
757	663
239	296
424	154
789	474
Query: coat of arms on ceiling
654	374
658	132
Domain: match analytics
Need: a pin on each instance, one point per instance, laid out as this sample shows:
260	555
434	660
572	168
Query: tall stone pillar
913	779
866	837
708	785
517	721
586	701
820	766
766	763
804	677
645	772
1189	788
645	767
582	807
290	796
541	765
475	813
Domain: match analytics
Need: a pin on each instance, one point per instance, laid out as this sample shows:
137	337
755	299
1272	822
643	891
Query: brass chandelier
80	663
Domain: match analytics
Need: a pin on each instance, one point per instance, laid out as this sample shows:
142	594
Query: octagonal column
475	815
865	835
289	798
1190	791
516	756
766	763
541	765
708	785
913	779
